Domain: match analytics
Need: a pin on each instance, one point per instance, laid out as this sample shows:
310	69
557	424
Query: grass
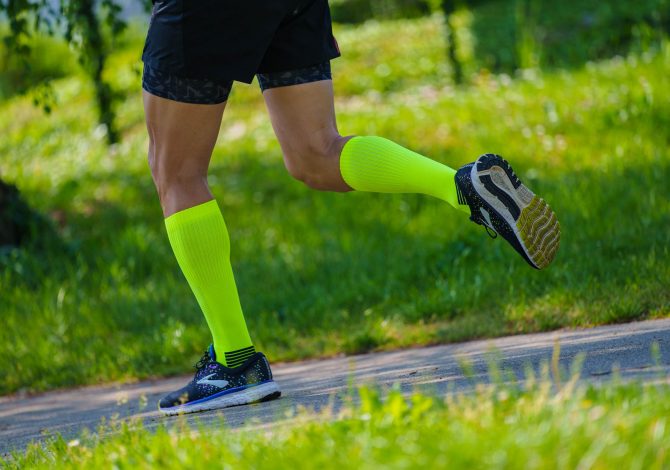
321	274
532	427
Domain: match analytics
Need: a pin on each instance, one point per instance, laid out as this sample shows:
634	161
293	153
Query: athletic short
208	91
202	46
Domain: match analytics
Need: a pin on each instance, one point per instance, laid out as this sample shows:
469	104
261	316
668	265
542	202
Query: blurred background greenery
575	93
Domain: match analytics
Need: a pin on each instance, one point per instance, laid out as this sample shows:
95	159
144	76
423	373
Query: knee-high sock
201	244
376	164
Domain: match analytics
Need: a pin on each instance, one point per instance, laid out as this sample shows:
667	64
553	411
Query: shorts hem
298	66
185	100
158	82
313	73
264	88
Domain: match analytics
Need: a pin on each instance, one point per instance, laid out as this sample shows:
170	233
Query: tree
90	27
87	25
449	8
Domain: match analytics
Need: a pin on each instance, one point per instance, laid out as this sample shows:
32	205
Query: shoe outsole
254	394
532	221
540	232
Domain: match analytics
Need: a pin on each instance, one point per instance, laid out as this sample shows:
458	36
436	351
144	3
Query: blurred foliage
393	66
501	35
339	273
513	34
88	26
329	282
358	11
48	58
85	24
525	33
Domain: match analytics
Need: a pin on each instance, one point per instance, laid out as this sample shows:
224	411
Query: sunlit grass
539	425
320	274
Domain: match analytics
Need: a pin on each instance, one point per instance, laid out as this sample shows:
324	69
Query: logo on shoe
216	383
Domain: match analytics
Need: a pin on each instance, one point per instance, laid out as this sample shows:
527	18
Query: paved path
315	384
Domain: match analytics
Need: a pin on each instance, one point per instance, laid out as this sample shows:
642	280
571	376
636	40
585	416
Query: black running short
193	44
211	91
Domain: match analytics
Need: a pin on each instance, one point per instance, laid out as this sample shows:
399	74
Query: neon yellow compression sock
376	164
201	244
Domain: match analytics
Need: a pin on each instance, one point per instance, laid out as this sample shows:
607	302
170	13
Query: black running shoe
503	205
216	386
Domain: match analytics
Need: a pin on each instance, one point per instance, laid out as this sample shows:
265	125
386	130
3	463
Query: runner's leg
181	140
488	190
303	118
182	137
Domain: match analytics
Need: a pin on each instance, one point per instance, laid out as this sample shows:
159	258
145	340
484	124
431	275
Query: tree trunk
94	56
15	216
449	7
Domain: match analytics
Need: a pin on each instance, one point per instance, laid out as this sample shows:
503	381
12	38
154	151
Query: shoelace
204	360
489	230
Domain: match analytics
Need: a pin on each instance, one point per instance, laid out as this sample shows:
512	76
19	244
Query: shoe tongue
211	352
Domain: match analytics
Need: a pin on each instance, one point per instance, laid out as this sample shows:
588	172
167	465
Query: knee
314	162
169	177
294	167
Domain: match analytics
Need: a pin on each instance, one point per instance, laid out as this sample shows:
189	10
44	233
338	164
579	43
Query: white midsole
248	395
521	195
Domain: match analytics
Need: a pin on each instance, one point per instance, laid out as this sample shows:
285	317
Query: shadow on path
316	384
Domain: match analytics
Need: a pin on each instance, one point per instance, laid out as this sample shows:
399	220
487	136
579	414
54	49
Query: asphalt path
316	384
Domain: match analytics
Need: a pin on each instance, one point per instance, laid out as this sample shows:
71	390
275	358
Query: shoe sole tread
536	227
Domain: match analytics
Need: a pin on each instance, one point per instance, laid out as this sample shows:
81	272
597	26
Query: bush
513	34
49	59
563	35
358	11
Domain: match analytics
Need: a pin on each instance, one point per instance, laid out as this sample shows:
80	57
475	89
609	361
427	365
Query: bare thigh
181	140
303	118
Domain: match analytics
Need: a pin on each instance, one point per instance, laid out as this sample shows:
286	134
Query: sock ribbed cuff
201	244
191	214
376	164
236	358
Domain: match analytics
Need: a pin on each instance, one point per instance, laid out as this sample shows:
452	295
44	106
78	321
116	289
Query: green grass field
320	274
604	427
